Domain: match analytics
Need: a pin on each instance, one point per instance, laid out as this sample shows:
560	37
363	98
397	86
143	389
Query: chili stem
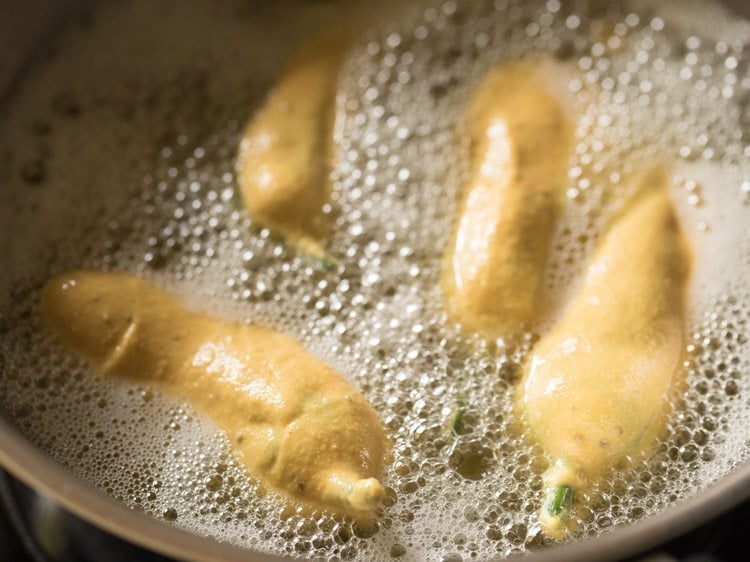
559	501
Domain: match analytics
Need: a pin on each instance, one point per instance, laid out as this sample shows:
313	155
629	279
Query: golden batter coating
286	151
294	422
596	387
520	143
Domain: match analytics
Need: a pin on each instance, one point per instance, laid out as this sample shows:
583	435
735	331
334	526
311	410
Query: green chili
560	500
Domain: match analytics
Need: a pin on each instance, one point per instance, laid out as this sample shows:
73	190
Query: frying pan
23	28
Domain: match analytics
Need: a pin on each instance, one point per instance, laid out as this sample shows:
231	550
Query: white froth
117	153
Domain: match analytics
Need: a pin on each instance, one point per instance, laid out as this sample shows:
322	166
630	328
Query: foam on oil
117	153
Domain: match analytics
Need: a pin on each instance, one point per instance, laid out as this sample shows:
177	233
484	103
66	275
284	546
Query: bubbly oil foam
117	153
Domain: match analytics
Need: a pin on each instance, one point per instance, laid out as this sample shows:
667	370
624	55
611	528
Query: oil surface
117	153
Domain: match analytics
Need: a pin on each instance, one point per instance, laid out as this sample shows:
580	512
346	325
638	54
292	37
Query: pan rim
30	465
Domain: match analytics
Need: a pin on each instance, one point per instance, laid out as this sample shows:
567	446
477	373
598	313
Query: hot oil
117	153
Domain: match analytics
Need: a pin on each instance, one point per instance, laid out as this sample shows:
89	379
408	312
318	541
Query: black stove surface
34	529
